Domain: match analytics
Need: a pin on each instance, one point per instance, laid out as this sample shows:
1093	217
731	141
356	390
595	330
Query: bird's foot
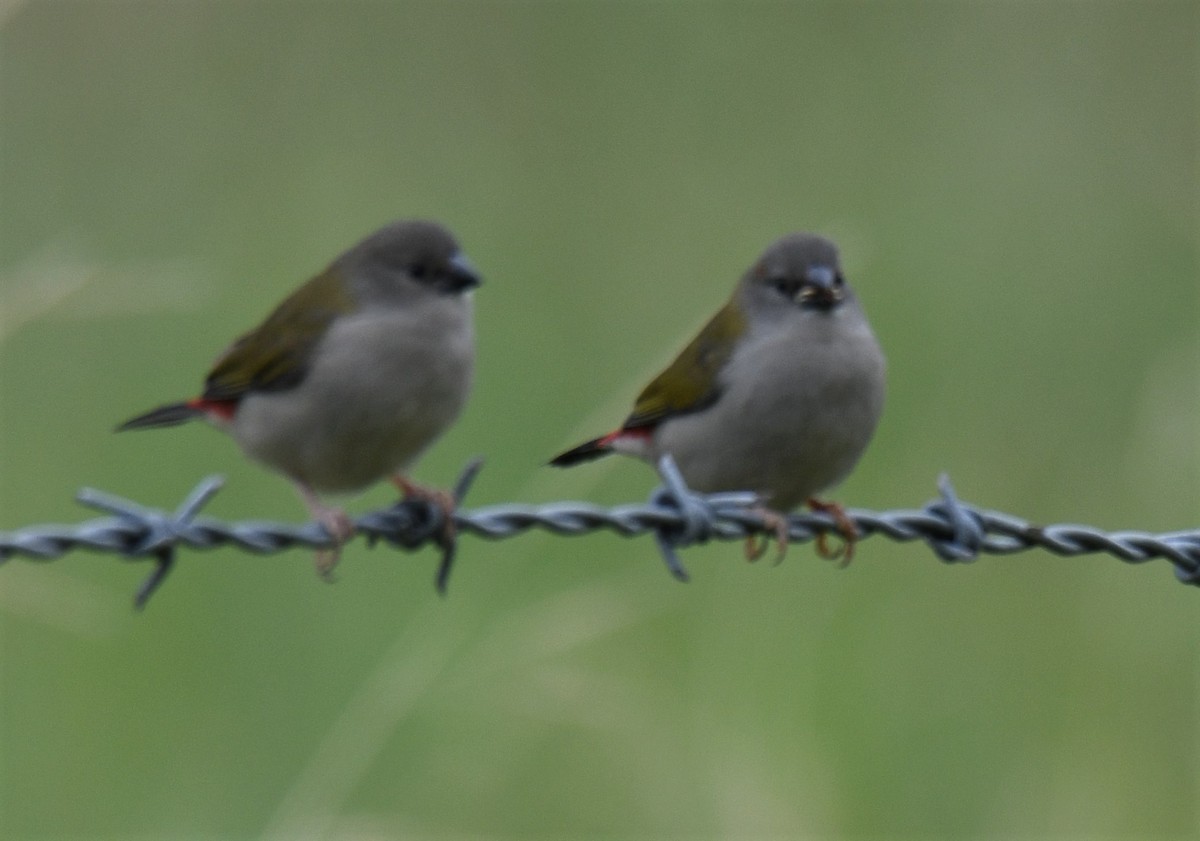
336	522
441	499
756	545
340	528
845	526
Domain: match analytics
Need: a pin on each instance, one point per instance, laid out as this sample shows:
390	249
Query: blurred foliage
1014	188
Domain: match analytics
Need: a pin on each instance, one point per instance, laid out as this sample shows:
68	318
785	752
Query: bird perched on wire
779	393
353	375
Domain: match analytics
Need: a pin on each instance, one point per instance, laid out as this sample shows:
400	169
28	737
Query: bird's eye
786	286
418	271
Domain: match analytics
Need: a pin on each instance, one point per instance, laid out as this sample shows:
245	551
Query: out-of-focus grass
1014	189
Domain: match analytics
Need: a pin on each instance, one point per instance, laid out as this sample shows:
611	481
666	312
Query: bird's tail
171	414
587	451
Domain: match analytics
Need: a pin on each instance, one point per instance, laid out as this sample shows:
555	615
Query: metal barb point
448	539
151	532
693	513
164	563
967	533
198	498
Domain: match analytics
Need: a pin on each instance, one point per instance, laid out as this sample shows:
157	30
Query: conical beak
463	274
820	287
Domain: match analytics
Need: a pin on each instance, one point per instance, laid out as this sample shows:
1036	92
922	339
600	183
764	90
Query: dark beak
820	287
461	276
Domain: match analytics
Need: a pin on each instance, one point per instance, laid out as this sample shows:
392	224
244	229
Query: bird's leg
336	521
756	546
845	527
443	500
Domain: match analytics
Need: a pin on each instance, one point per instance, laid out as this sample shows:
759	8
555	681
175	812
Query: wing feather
691	382
277	354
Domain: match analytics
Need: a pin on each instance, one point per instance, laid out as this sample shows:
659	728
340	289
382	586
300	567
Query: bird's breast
381	386
797	407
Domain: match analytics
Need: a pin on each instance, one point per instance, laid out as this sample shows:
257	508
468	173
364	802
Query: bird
352	376
779	393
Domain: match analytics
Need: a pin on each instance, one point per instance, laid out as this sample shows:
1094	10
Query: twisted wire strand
957	532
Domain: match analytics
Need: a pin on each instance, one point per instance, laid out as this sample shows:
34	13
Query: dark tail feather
586	451
172	414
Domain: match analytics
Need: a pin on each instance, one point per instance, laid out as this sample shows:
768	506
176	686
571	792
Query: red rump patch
221	410
635	432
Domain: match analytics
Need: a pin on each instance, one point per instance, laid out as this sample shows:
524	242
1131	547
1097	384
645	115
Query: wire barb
677	517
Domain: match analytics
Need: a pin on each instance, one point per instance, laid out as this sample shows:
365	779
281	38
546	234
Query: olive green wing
277	354
690	383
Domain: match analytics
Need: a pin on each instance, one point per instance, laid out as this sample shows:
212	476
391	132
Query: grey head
406	259
798	274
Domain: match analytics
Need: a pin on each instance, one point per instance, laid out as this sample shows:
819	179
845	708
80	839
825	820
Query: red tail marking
222	410
635	432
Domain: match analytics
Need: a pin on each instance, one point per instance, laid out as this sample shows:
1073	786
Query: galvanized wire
957	532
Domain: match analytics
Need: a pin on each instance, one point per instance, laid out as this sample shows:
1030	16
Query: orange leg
336	521
756	546
845	527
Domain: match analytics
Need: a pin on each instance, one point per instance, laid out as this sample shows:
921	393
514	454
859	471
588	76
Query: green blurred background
1014	186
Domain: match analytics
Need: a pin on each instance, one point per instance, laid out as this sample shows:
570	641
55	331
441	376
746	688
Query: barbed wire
678	517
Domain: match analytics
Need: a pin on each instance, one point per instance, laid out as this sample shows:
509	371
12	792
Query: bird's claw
446	502
341	528
440	499
756	545
846	528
